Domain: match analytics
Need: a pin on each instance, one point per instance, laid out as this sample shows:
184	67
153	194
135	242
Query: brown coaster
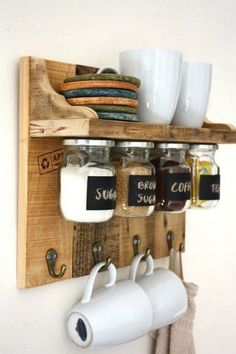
103	100
98	84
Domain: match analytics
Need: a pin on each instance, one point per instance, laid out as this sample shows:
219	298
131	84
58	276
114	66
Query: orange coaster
98	84
103	100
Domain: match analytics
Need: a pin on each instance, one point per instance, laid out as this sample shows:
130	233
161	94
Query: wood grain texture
129	131
220	126
116	235
45	227
23	172
46	103
40	226
163	223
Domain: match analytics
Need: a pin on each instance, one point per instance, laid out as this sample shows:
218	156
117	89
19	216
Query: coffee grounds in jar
162	173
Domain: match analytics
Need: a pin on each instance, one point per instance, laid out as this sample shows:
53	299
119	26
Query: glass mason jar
135	179
205	175
87	181
173	177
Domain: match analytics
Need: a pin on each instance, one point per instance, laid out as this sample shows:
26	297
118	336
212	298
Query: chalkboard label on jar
101	193
142	190
209	188
178	186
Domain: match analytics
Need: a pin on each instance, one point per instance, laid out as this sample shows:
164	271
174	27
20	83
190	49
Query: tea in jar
205	175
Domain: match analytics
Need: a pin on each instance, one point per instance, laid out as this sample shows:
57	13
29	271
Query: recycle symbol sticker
45	163
50	161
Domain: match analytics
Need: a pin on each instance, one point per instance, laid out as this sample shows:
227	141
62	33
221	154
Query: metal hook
181	273
51	257
170	238
147	253
136	243
97	249
108	262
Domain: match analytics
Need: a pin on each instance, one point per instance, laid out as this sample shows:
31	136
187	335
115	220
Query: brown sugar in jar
173	177
135	179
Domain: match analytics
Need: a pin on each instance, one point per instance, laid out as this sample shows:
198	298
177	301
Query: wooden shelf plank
98	128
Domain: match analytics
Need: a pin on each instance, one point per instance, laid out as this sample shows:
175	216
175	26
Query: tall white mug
165	291
194	95
116	313
160	73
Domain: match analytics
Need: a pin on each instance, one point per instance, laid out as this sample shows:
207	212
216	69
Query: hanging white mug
194	95
116	313
160	73
165	291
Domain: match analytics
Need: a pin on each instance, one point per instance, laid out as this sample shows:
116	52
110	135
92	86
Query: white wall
94	32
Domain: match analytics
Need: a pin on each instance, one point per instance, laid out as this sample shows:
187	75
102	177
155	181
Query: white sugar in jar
87	181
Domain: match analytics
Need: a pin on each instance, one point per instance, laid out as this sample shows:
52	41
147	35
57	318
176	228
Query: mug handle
135	263
92	276
105	68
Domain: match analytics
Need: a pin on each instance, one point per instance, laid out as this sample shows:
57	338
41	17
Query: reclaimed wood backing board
40	225
116	237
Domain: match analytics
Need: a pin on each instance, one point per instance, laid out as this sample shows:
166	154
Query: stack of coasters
112	96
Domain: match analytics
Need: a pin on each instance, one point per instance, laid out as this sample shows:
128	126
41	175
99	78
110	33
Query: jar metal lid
139	144
204	147
88	142
179	146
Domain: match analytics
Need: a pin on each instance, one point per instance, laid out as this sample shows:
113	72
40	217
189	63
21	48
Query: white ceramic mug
160	73
165	291
116	313
194	95
105	69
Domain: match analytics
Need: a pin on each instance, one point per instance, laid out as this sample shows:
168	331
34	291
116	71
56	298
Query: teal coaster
100	92
112	108
113	77
118	116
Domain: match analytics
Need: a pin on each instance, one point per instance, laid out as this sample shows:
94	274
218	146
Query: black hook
51	257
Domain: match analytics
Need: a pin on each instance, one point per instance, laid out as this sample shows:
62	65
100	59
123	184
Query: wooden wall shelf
119	130
44	113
